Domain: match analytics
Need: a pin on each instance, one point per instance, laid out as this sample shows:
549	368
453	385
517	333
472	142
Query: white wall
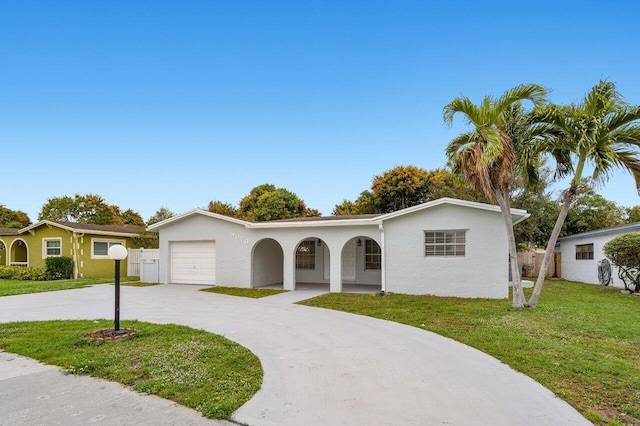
586	271
234	244
365	276
267	263
483	272
233	248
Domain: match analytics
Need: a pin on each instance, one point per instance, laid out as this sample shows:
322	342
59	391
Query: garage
193	262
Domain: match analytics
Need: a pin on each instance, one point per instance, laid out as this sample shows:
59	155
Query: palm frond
622	118
459	143
460	105
531	92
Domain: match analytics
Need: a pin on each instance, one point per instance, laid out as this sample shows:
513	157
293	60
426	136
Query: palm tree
601	131
487	158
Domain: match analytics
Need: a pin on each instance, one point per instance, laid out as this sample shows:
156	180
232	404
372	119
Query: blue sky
155	103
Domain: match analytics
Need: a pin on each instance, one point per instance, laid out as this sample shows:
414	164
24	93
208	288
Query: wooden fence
533	260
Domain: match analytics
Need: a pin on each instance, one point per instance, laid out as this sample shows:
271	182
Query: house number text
240	238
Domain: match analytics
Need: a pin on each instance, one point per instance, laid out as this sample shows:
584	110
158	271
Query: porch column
289	268
335	268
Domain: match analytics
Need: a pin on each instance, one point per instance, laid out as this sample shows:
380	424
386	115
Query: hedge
22	273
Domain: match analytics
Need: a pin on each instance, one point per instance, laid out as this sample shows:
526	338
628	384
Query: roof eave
196	212
518	213
617	229
314	224
77	230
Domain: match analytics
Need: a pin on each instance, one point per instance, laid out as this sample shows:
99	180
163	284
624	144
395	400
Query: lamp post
117	253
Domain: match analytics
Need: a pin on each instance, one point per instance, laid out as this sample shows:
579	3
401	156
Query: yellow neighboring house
86	244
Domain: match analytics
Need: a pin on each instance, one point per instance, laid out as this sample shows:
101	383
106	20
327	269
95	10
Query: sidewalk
35	394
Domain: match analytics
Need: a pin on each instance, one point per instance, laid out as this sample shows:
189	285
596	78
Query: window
100	248
584	252
306	255
444	243
51	247
372	255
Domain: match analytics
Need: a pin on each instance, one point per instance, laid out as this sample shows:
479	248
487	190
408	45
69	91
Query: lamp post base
110	335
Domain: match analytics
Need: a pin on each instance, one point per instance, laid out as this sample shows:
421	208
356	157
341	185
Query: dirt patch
110	335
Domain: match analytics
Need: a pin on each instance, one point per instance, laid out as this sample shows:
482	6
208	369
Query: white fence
136	255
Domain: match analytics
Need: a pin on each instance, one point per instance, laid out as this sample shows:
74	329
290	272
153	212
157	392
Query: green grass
14	287
582	341
197	369
254	293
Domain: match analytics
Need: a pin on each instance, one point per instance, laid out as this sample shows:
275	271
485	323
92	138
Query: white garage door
193	262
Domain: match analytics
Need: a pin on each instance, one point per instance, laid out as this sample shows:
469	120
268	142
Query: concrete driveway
324	367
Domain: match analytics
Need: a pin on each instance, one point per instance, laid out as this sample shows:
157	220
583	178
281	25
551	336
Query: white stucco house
445	247
580	253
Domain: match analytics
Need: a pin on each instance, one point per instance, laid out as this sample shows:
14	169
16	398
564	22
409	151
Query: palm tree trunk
548	254
505	209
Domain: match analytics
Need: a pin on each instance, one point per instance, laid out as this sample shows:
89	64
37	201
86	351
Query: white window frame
306	261
45	253
444	244
110	242
372	259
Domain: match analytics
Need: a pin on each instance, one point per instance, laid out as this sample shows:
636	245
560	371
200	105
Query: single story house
580	253
86	244
445	247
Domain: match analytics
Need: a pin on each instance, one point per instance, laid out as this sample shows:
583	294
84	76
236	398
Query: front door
349	261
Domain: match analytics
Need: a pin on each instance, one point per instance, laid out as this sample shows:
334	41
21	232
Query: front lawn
13	287
582	342
254	293
197	369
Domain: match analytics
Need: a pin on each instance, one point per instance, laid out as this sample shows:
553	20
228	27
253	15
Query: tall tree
59	208
225	209
444	183
266	202
633	214
486	156
364	204
603	131
590	211
89	208
132	217
543	208
13	218
161	214
399	188
408	186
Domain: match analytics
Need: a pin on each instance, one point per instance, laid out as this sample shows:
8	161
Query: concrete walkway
35	394
323	367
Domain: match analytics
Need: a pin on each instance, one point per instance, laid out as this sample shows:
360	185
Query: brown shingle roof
125	229
9	231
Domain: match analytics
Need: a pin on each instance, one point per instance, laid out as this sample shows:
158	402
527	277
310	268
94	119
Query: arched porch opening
312	262
267	264
361	265
19	253
3	253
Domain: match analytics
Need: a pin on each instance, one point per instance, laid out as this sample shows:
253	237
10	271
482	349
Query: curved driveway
324	367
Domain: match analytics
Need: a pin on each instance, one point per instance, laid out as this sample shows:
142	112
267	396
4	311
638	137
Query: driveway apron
323	367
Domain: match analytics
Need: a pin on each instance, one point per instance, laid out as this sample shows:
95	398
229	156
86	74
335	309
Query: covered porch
313	262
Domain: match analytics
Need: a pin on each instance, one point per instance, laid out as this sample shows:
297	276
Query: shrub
624	252
22	273
59	268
